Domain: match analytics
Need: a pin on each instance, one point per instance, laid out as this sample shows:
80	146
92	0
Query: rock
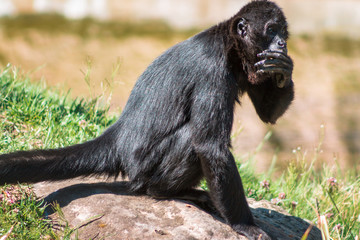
106	210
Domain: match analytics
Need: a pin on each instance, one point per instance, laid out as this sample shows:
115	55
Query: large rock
117	214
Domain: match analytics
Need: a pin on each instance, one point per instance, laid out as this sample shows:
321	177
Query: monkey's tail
96	157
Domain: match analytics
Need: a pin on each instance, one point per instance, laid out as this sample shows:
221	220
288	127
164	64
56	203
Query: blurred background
100	47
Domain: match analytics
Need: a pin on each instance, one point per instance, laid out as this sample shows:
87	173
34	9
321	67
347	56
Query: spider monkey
175	128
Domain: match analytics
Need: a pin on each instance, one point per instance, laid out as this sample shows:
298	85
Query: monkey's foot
251	232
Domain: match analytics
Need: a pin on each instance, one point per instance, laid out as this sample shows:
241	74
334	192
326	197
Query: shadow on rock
66	195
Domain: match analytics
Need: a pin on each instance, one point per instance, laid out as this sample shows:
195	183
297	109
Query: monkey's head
258	37
257	27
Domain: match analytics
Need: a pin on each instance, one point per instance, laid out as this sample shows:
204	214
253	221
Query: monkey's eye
285	33
271	31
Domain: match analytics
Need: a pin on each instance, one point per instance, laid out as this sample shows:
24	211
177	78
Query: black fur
175	128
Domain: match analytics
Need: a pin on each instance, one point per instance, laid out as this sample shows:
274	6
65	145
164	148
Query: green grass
36	117
309	193
23	213
32	116
306	192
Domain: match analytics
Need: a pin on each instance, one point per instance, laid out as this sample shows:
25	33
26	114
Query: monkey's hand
252	232
278	65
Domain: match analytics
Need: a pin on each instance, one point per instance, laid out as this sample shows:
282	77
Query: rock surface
106	210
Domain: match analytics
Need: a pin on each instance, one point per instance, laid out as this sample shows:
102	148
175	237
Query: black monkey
175	128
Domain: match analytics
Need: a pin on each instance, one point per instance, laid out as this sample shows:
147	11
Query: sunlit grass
35	117
21	214
327	197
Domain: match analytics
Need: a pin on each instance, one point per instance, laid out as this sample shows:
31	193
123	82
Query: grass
326	194
22	213
36	117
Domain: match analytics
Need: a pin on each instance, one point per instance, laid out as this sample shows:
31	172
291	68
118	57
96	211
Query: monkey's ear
242	27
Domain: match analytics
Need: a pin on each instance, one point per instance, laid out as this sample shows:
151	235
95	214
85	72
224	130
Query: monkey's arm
212	114
225	186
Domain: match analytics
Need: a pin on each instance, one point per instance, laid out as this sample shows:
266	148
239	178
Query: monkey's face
261	25
261	38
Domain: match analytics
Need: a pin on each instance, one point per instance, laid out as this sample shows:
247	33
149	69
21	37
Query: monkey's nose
281	44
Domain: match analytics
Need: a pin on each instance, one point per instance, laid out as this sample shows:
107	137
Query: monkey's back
156	129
